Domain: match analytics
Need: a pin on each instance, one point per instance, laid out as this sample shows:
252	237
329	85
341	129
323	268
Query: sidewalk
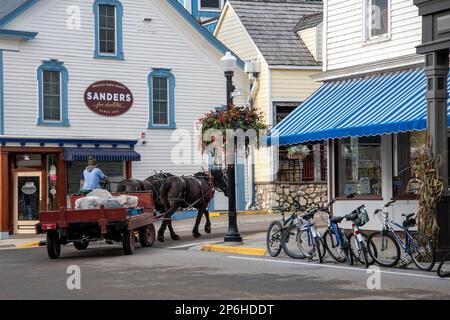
23	241
249	222
254	244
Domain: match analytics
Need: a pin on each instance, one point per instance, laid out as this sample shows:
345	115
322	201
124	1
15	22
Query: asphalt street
179	270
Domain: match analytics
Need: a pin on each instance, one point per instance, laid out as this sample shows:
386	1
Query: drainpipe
251	172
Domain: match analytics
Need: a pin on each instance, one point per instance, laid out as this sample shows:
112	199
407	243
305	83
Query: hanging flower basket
244	118
299	152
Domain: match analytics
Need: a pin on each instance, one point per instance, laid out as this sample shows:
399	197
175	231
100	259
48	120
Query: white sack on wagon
128	201
101	193
89	202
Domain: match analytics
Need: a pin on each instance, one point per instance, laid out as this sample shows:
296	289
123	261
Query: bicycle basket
363	217
409	223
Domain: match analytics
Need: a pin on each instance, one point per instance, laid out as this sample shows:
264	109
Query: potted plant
245	118
299	152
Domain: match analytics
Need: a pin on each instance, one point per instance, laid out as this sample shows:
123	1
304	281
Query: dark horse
152	183
194	191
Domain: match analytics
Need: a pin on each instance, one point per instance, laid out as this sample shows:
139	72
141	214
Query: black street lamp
229	65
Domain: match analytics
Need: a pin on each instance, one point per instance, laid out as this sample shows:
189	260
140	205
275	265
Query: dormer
309	30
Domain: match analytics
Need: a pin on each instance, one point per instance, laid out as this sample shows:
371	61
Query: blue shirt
92	179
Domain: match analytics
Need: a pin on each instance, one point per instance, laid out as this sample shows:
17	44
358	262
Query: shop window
52	181
161	84
310	167
405	147
115	171
359	166
28	160
108	29
52	81
377	16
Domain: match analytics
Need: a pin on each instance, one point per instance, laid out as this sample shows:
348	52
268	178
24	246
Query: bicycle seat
309	215
352	216
336	219
408	215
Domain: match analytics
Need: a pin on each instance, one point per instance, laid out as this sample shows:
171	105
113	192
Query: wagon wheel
128	242
147	235
81	245
53	245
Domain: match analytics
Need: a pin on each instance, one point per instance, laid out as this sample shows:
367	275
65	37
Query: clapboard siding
169	43
344	34
292	85
231	32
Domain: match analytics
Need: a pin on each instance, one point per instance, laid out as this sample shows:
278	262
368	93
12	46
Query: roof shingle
271	24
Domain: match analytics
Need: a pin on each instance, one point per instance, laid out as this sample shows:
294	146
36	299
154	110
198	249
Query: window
108	29
405	147
359	166
52	80
211	4
161	84
309	167
377	19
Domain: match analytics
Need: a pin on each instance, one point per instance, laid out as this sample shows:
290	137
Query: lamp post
229	65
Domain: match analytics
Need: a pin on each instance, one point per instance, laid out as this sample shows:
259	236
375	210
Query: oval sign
29	188
108	98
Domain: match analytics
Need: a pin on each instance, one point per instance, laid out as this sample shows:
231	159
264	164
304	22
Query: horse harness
185	190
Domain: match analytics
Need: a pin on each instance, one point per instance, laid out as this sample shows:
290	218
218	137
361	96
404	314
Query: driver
92	177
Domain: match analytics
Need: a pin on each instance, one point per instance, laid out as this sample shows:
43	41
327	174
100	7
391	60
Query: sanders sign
108	98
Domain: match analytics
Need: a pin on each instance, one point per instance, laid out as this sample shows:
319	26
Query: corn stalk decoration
426	168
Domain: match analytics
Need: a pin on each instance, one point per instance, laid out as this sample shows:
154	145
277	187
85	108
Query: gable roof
310	21
271	23
11	9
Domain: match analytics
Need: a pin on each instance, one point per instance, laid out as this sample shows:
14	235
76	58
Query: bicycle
308	238
335	240
277	228
357	240
387	242
443	269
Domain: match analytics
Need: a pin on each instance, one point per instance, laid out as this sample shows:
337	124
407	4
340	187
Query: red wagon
81	227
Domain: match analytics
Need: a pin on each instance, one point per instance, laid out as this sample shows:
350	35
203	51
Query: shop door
27	200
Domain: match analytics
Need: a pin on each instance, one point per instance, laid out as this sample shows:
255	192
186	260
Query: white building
123	80
371	109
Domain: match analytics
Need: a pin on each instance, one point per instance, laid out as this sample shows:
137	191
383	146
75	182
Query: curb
34	244
235	250
217	214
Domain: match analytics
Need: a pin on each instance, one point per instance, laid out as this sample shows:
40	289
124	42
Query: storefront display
360	166
405	146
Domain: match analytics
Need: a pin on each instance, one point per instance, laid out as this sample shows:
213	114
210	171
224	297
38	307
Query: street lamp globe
228	62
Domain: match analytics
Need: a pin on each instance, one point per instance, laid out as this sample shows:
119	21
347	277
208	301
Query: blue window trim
119	45
54	65
203	31
162	72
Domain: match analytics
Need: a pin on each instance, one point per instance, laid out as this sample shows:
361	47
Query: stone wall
269	196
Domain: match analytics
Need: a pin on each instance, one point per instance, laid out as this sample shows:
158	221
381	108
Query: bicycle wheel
443	270
306	244
383	248
421	251
273	238
332	246
360	251
319	249
289	242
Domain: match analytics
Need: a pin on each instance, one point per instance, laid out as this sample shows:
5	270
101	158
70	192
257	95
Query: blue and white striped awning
101	154
371	105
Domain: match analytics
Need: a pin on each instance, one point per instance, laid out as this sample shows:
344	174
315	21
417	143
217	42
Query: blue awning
101	154
371	105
